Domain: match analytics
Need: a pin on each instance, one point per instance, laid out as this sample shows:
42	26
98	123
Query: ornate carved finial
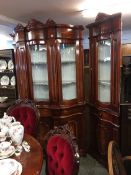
19	27
50	22
33	23
100	16
12	35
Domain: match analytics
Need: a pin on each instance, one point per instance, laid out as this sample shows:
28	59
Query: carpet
88	166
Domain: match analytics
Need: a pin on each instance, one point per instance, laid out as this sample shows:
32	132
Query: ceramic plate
7	153
12	81
10	166
10	65
5	80
3	64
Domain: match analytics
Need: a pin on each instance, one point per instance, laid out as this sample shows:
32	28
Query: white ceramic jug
16	132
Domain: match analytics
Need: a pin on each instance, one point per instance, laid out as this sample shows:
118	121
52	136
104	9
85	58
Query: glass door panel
68	68
104	71
39	72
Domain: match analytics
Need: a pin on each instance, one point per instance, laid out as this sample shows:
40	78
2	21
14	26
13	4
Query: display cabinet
50	66
8	92
104	103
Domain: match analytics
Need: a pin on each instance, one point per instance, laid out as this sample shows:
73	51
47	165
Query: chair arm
126	158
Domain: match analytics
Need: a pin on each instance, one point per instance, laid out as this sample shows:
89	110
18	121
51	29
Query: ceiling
13	12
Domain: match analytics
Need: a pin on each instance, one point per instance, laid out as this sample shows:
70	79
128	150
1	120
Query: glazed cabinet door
68	71
104	71
39	72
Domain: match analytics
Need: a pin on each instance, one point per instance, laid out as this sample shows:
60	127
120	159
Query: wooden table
31	161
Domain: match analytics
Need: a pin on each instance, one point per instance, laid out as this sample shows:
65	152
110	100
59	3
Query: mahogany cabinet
104	103
50	66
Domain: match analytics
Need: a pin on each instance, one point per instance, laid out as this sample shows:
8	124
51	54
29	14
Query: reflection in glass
104	70
39	72
68	71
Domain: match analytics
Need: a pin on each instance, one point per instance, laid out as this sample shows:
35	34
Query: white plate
12	81
5	80
3	64
10	64
3	99
7	153
10	166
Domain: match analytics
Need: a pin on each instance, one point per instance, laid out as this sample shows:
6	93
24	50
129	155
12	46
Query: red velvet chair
26	112
62	157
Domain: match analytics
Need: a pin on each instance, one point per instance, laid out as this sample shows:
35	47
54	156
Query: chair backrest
115	162
62	157
27	113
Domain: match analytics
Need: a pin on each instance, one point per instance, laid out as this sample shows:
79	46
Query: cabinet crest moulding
101	16
19	27
50	22
34	24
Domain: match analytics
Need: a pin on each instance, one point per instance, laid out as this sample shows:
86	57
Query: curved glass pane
68	68
104	71
39	72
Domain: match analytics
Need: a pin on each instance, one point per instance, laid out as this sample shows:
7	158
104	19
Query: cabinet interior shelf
7	87
103	61
6	71
68	82
104	83
40	83
39	63
68	61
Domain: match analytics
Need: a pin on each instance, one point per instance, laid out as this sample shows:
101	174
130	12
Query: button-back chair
118	165
27	113
62	157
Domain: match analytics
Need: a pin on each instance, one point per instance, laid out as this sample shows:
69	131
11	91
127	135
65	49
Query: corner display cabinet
105	46
49	66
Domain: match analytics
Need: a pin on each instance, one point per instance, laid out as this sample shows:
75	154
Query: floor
88	166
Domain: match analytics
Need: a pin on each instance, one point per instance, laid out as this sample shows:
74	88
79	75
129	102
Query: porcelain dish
10	167
12	81
3	64
5	80
3	99
9	152
10	64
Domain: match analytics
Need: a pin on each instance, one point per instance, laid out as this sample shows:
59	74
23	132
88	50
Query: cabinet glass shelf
68	83
104	83
40	83
41	63
68	62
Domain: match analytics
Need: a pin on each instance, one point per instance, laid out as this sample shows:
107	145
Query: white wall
126	36
5	39
85	39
